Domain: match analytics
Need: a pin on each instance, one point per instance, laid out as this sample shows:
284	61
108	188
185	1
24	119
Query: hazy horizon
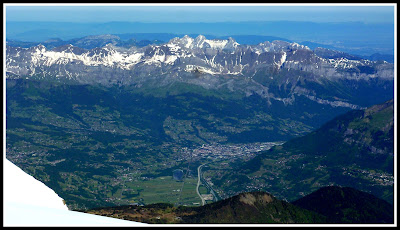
154	13
355	26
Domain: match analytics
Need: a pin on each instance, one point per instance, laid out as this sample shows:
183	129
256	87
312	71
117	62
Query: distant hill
134	39
87	42
384	57
330	51
326	206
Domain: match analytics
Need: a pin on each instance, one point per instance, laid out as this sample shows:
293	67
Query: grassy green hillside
354	149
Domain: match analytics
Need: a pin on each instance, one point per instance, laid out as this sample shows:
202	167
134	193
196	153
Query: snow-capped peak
201	42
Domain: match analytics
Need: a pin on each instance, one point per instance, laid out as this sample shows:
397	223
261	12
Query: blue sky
367	13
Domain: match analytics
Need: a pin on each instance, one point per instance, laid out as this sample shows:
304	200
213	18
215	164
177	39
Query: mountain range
212	64
108	125
128	40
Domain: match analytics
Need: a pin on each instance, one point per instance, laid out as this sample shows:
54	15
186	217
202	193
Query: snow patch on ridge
110	58
217	44
283	58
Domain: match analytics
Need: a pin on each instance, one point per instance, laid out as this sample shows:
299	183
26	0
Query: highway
203	202
201	180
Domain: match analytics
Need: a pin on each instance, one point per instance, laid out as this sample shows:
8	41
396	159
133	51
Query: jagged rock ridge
209	56
250	69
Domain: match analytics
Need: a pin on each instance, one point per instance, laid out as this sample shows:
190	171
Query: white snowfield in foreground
29	202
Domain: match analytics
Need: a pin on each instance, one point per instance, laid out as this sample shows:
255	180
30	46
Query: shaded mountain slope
347	205
355	149
364	137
